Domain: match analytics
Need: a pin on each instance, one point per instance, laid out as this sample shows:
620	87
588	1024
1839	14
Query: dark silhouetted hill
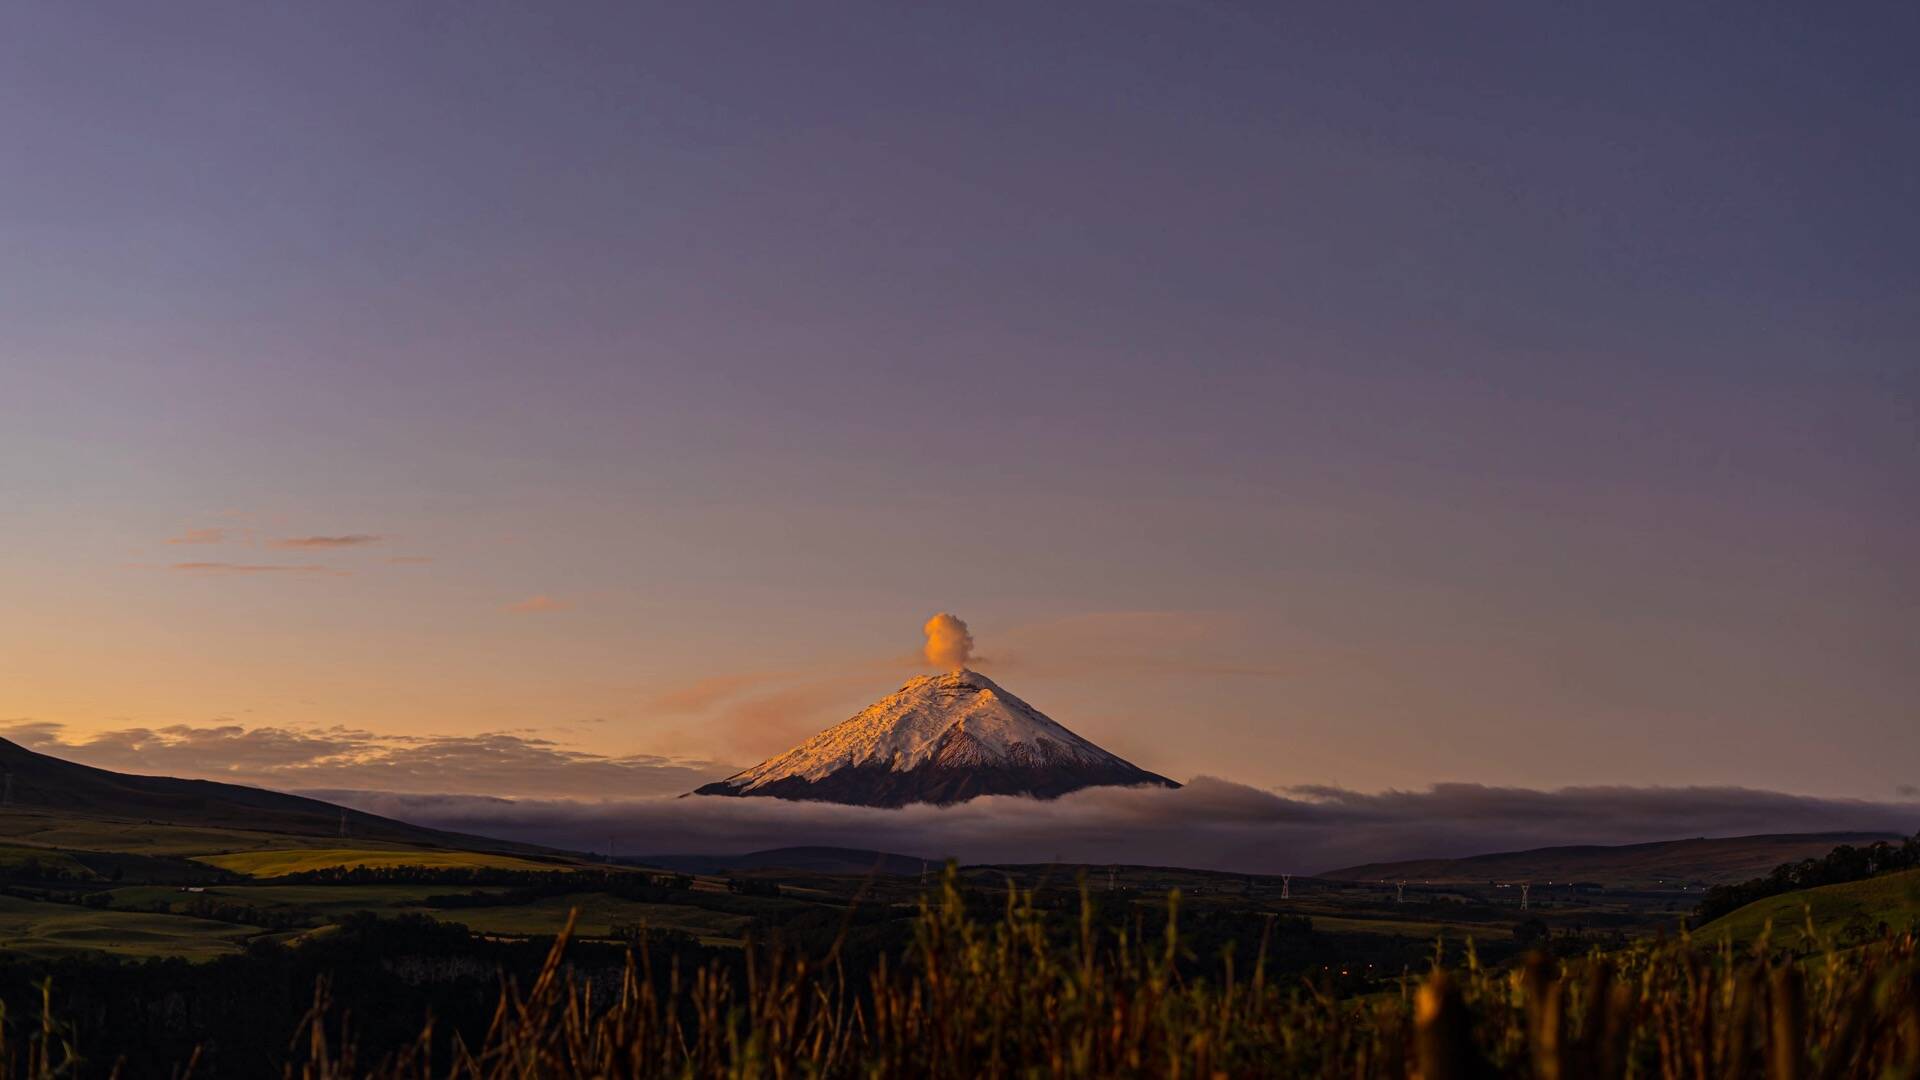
1664	864
39	781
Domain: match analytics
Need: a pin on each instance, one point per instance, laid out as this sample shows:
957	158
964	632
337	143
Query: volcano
939	739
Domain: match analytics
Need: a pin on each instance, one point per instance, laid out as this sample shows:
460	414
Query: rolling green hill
32	928
1669	864
1847	911
93	861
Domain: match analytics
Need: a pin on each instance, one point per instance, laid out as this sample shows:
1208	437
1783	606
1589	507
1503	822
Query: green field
278	862
599	913
61	830
1401	927
327	901
1847	910
45	930
14	858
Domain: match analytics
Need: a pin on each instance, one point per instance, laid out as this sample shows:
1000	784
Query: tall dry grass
41	1049
1005	998
1015	996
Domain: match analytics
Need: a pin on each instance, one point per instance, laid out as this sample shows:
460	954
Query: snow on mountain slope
939	738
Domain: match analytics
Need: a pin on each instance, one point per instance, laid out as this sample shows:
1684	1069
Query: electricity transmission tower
1286	886
1525	888
1400	891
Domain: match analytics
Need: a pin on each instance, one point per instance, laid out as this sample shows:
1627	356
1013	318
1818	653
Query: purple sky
1377	396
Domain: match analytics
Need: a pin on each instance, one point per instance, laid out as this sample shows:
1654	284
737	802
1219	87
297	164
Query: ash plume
949	645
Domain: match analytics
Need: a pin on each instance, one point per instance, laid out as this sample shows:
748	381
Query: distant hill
815	860
1665	864
1847	910
37	781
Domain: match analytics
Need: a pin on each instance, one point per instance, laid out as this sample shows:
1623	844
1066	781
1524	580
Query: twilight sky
426	396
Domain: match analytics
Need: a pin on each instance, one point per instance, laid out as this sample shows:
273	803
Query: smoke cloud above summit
949	644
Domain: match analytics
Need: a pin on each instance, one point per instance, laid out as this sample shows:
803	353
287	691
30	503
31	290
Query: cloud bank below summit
1209	824
518	786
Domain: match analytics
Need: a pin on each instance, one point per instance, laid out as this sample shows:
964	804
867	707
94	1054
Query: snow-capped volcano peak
961	718
939	738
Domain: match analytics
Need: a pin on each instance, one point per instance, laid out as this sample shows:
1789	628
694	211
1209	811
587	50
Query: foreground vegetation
203	946
1028	992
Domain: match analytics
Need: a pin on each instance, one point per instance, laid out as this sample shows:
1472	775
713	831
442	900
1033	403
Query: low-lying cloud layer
285	759
1210	823
517	786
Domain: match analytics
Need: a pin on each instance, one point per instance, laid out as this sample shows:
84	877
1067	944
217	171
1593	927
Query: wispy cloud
703	694
250	568
409	560
754	714
199	536
535	605
1210	824
353	540
491	764
767	723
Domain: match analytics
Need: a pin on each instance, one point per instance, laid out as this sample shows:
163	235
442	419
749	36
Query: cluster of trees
31	870
85	898
639	936
244	914
417	875
1535	934
577	880
1842	864
633	886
